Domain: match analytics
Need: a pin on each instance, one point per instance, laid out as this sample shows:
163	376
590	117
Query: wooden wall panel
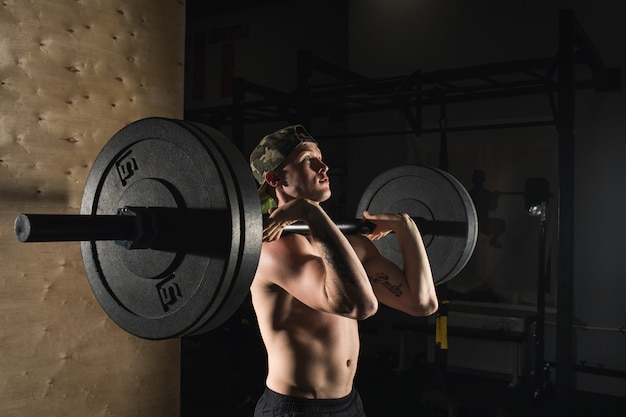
72	73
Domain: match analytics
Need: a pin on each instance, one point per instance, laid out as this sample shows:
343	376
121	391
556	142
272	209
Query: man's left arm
411	290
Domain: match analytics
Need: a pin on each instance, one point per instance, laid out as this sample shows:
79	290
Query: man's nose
321	167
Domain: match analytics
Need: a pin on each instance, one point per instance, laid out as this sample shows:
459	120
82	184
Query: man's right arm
322	271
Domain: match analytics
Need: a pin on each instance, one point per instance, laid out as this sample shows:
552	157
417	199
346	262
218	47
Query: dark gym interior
520	104
402	371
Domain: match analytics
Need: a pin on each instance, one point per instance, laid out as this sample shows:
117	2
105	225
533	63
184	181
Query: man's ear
272	178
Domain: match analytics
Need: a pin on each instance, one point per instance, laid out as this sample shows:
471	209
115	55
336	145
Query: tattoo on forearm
383	280
330	252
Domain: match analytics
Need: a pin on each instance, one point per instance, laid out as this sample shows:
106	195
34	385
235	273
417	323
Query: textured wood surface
72	73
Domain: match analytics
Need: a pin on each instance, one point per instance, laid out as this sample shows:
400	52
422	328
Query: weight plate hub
159	162
443	210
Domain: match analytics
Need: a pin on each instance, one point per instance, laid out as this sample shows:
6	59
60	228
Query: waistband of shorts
288	402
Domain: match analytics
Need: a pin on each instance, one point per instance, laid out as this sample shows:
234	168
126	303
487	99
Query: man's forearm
416	266
347	284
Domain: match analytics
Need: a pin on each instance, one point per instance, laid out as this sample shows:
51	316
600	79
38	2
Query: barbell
170	226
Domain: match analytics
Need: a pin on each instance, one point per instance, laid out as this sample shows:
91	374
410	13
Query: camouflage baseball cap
271	152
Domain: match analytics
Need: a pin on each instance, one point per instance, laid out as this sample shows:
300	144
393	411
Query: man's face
304	175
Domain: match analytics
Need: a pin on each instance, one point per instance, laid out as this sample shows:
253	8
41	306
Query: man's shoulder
277	254
363	247
287	245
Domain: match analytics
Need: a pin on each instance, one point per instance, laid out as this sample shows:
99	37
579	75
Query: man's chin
324	197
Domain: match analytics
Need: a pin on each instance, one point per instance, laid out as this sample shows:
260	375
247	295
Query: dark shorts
273	404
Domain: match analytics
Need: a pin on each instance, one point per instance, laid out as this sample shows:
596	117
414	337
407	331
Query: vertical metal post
540	366
304	74
565	287
443	131
239	95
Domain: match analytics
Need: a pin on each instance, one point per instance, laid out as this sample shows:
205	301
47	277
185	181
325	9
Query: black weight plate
444	205
247	237
158	162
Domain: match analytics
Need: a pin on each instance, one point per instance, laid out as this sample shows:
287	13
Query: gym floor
223	374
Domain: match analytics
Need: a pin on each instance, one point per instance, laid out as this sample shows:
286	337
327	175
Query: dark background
511	137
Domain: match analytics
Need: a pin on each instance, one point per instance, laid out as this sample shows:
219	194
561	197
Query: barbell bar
153	227
171	227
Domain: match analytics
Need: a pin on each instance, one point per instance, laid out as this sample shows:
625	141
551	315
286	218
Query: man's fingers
377	236
274	229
